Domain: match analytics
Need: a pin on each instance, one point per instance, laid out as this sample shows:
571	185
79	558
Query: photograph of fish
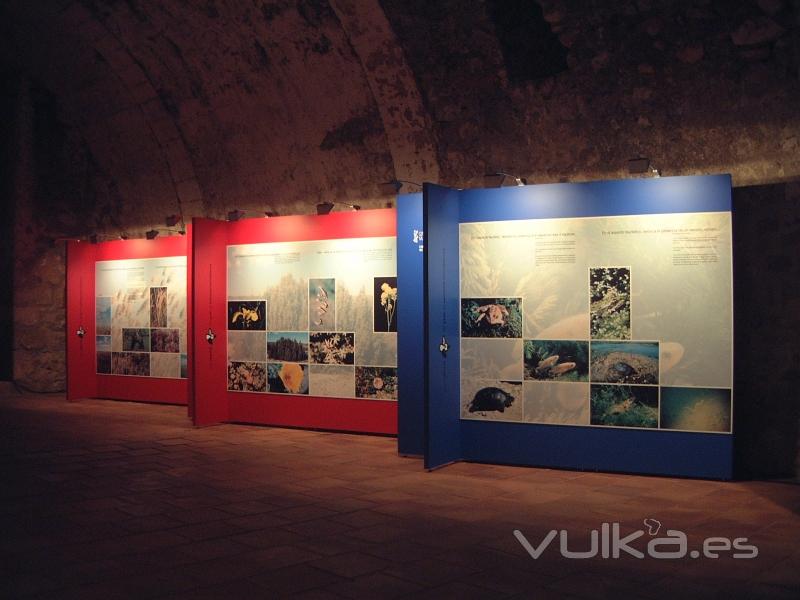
102	343
102	320
135	340
158	307
247	315
288	346
491	317
165	340
184	366
130	363
322	304
556	404
624	362
104	363
610	303
624	406
333	381
247	346
696	409
491	400
247	377
384	304
556	360
379	383
287	378
332	348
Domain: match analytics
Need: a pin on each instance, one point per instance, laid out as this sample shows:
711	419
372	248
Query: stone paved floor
102	499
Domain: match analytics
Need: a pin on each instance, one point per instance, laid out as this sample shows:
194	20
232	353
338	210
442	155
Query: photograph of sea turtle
246	377
378	383
610	303
491	317
247	315
624	362
556	360
491	400
624	405
384	304
287	378
322	304
696	409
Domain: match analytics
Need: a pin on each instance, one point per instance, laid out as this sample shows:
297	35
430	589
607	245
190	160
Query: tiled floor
103	499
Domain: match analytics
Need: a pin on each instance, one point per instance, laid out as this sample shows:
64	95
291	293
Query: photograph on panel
491	400
556	360
624	362
491	317
610	303
625	405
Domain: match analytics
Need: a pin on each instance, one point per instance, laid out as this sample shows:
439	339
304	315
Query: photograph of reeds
322	304
610	303
247	315
158	307
290	346
247	377
135	340
384	304
165	340
379	383
130	363
332	348
287	378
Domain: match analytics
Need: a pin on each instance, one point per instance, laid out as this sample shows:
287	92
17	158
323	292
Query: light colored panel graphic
492	358
491	400
556	403
335	381
165	365
247	346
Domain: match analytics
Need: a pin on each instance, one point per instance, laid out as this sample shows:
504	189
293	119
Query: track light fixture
173	220
152	234
641	165
396	184
235	214
270	213
519	181
323	208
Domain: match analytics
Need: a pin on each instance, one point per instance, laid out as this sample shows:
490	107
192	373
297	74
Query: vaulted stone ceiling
221	104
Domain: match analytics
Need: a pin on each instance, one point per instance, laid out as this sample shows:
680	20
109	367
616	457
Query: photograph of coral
696	409
491	400
334	381
491	317
165	340
550	402
247	346
322	304
291	346
102	321
556	360
287	378
104	363
624	362
610	303
332	348
130	363
379	383
247	377
384	304
624	406
135	340
102	343
158	307
247	315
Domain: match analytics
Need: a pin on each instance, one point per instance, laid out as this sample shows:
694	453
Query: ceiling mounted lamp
270	213
173	220
323	208
235	215
123	236
518	181
395	184
152	234
641	165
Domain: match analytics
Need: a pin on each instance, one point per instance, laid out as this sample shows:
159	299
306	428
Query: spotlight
123	236
172	220
152	234
270	213
323	208
519	181
395	184
235	214
354	206
638	165
93	238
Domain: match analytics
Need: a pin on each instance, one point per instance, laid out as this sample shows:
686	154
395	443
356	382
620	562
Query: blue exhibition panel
586	447
410	334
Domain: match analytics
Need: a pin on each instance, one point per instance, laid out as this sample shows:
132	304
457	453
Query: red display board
83	381
213	402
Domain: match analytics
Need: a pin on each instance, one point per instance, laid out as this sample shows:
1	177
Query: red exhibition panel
83	380
213	402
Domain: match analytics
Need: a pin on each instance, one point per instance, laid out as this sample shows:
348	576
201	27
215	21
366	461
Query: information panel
620	321
316	318
140	317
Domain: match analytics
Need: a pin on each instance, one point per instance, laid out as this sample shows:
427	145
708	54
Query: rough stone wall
144	108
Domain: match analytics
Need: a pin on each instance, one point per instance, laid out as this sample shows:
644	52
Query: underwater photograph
696	409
